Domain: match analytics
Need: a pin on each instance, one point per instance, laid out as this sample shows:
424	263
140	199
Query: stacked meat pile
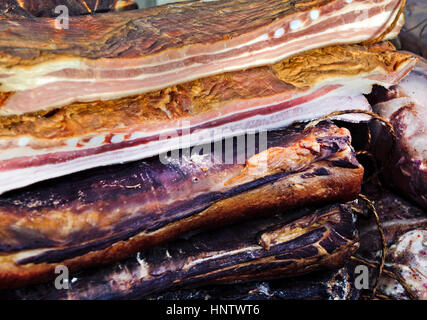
115	137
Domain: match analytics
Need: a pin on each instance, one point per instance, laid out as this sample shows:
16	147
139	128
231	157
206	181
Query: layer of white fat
96	141
23	141
138	135
387	108
72	142
21	79
27	254
349	87
17	178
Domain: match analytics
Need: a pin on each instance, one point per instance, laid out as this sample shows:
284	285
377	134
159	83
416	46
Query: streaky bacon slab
115	55
405	106
228	255
36	147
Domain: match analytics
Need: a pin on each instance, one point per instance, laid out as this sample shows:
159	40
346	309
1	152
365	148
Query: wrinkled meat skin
163	27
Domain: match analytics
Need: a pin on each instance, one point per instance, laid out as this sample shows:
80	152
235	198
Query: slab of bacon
115	55
14	9
106	214
39	146
405	106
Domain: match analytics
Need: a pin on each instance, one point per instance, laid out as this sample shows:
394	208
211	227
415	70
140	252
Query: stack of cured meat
189	122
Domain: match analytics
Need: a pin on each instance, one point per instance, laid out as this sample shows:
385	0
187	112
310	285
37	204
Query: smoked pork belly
44	145
115	55
106	214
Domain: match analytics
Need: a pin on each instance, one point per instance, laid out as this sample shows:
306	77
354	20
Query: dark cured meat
76	220
322	285
322	238
12	9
